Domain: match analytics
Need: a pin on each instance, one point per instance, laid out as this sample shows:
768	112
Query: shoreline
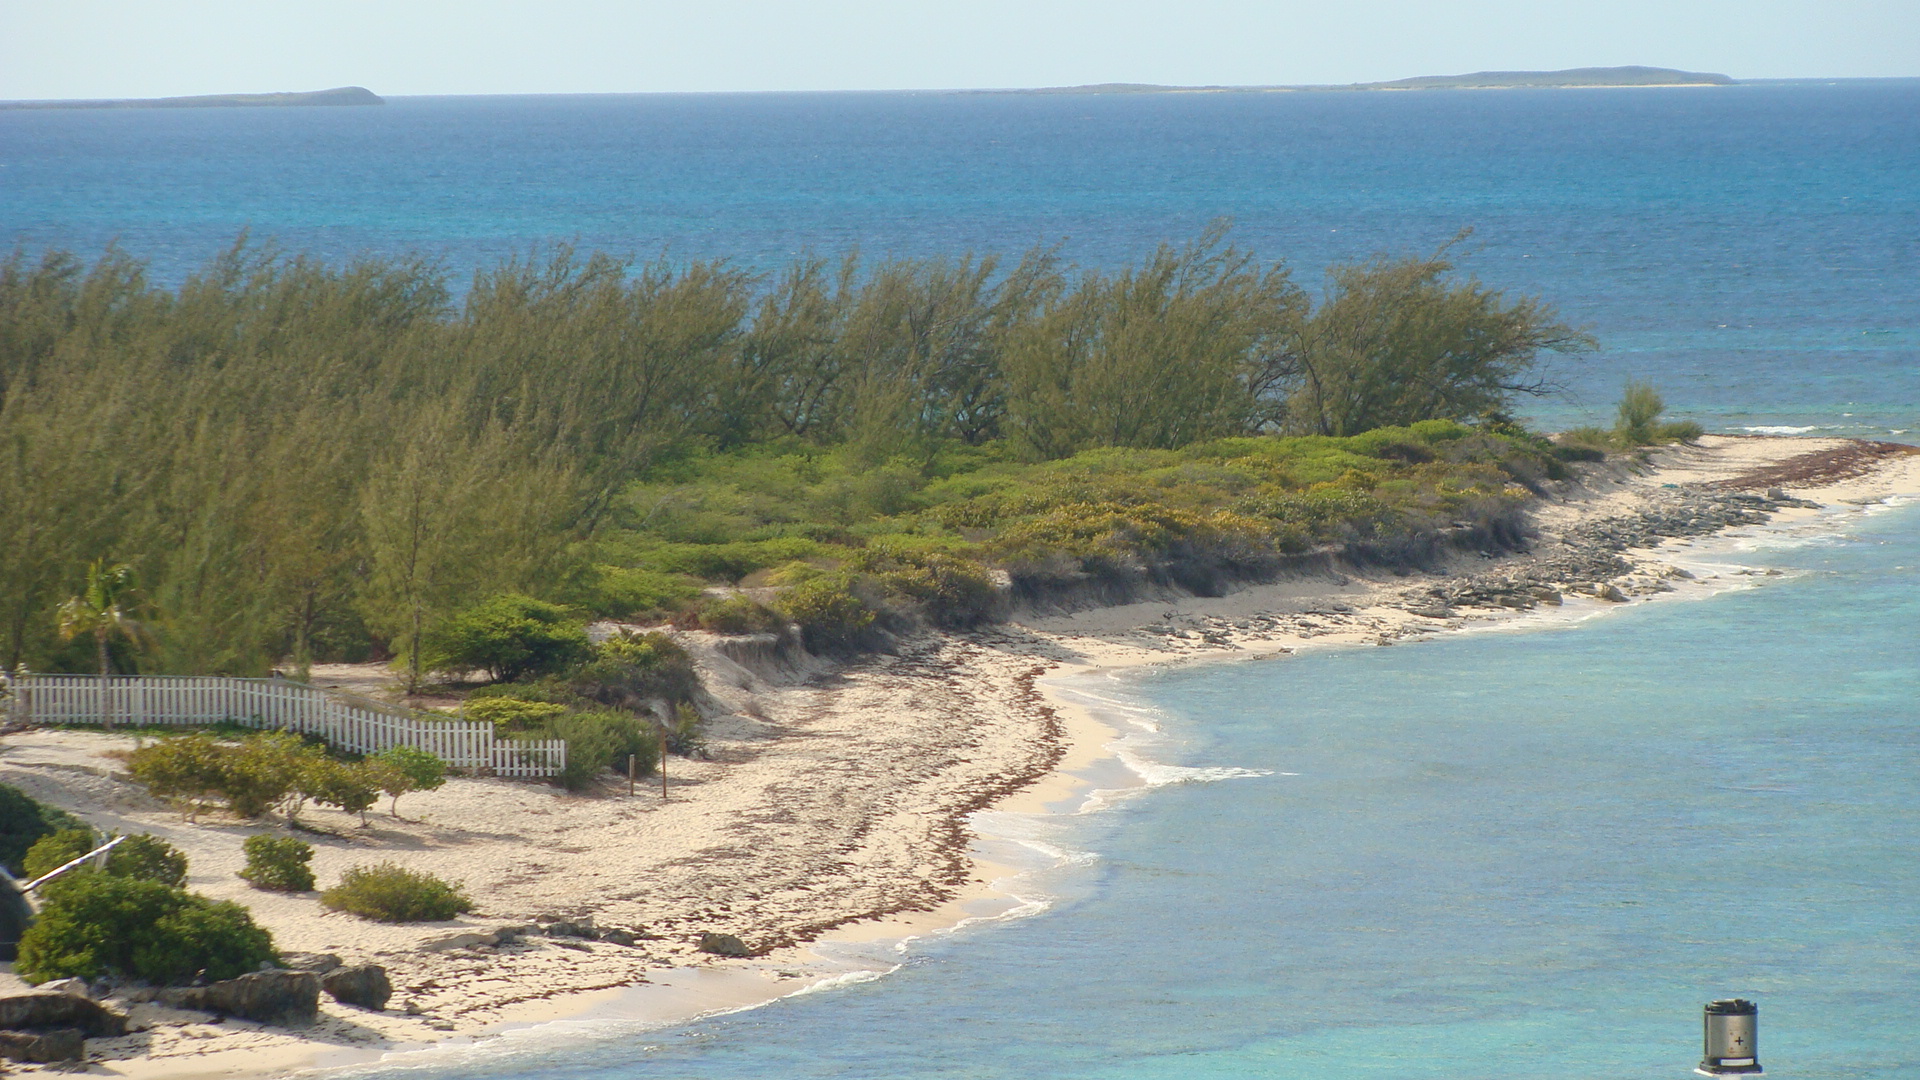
1072	755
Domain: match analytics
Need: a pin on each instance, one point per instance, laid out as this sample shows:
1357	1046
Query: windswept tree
1395	341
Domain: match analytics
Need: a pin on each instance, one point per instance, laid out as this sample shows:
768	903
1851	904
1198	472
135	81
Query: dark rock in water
287	998
317	962
44	1010
43	1047
723	945
365	985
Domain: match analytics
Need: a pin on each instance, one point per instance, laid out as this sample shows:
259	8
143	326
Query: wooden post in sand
665	731
633	770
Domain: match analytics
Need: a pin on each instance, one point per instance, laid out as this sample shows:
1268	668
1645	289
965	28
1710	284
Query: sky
148	48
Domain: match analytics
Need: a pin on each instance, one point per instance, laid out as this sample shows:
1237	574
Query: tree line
292	456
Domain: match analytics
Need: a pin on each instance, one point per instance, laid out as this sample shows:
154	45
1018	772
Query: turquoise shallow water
1494	855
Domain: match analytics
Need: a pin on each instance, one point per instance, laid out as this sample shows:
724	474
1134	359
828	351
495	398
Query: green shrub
622	593
631	671
739	615
511	715
262	770
394	894
602	739
144	856
55	850
508	636
99	924
401	769
23	821
150	858
190	768
954	593
1678	431
651	649
832	619
278	863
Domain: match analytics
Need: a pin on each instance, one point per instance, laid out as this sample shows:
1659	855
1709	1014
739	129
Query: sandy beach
831	820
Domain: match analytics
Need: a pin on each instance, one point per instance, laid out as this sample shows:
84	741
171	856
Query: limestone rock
287	998
365	985
723	945
44	1010
76	987
43	1047
468	939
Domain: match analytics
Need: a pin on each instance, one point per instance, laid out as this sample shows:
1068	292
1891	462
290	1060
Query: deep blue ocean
1496	855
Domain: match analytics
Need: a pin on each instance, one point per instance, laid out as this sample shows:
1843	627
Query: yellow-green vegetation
299	461
844	548
278	863
391	893
257	773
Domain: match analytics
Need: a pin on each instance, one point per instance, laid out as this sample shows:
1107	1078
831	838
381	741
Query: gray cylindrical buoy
1733	1039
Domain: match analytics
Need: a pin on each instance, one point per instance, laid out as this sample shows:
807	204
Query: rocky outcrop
43	1010
43	1047
286	998
365	985
723	945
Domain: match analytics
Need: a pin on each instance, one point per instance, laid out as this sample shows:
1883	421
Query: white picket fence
357	724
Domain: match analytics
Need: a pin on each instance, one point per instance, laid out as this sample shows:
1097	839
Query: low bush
144	856
92	925
55	850
23	821
189	768
950	591
512	715
509	637
622	593
278	863
739	615
391	893
831	617
599	740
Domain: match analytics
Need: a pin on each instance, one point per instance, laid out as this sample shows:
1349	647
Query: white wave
845	978
1155	774
1781	429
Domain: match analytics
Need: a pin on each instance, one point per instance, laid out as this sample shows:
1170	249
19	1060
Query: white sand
834	808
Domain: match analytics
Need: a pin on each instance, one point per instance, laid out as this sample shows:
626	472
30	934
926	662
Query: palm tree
106	609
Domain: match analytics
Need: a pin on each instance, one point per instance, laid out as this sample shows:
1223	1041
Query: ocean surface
1754	250
1514	854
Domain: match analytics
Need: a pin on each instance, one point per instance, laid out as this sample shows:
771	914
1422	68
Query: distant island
339	95
1633	75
